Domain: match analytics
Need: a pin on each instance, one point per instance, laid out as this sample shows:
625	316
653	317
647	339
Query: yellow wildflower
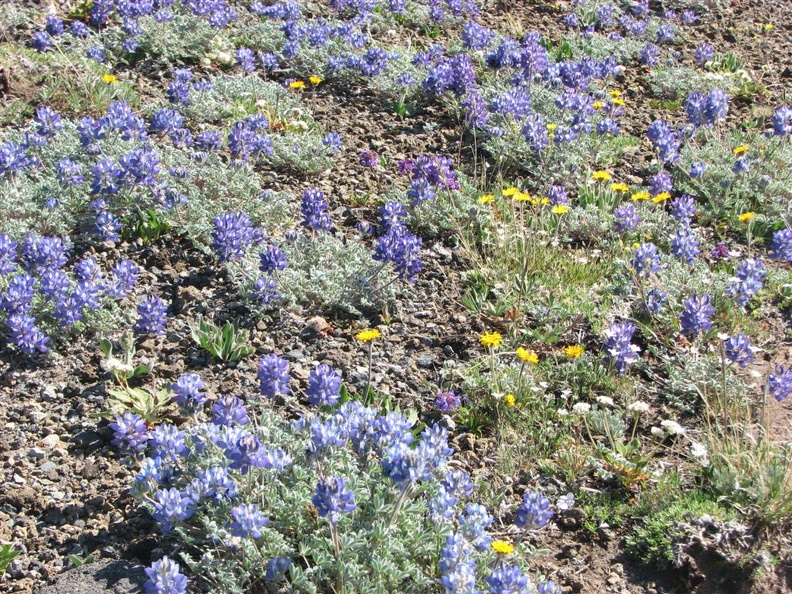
574	351
601	176
368	335
314	80
620	187
109	79
746	217
502	547
510	400
544	200
641	196
615	93
560	209
597	105
739	150
486	199
297	84
768	27
491	340
661	197
619	102
551	127
524	354
521	197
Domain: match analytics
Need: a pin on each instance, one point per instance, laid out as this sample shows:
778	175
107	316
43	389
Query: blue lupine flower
54	284
447	401
508	579
171	506
129	432
152	316
273	376
165	119
534	512
618	350
54	25
747	280
332	140
779	383
215	483
324	386
246	59
457	566
664	140
402	248
8	254
738	350
685	245
18	294
683	209
277	568
125	274
325	434
79	29
166	441
333	498
650	55
665	34
474	524
627	218
164	577
313	207
646	260
475	37
13	158
780	249
49	121
187	390
703	54
24	333
696	315
782	121
41	41
70	174
229	411
549	587
232	235
248	521
265	290
697	170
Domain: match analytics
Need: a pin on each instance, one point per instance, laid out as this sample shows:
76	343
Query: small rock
48	466
51	441
36	453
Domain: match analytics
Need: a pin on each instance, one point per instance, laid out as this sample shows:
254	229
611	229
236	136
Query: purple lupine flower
683	209
741	165
248	521
24	333
232	235
685	245
332	140
246	59
779	383
696	315
627	218
43	253
780	249
273	376
166	119
618	350
782	121
165	577
125	274
152	316
79	29
475	37
167	442
324	386
391	213
447	401
70	174
54	25
8	254
650	55
369	159
49	121
549	587
229	411
665	34
129	432
272	259
697	170
646	260
18	294
187	390
171	506
54	284
660	182
277	568
534	512
13	158
664	141
557	195
738	350
747	280
457	565
703	54
401	248
265	290
333	498
507	579
720	251
216	484
41	41
474	524
314	207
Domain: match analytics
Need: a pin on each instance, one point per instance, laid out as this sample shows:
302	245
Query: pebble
36	453
51	441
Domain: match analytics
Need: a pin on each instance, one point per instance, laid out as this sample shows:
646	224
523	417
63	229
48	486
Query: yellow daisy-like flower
601	176
620	187
502	547
524	354
641	196
297	84
619	102
510	191
615	93
368	335
544	200
521	197
510	400
491	340
739	150
597	105
661	197
574	351
769	26
746	217
560	209
109	79
314	80
551	127
486	199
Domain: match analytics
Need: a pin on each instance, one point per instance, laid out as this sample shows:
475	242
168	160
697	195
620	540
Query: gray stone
101	577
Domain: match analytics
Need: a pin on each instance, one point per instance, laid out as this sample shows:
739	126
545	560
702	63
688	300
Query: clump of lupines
233	233
738	350
747	280
696	316
314	206
165	577
273	376
152	316
646	260
779	383
324	386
